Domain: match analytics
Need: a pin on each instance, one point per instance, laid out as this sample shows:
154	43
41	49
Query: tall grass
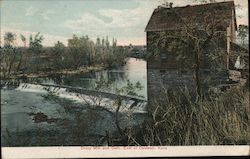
179	119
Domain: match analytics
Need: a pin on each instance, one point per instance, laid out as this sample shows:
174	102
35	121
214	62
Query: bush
181	120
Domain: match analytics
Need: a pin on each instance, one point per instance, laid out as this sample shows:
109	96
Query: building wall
158	80
231	37
168	73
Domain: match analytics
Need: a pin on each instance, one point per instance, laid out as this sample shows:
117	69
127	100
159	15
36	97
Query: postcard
116	78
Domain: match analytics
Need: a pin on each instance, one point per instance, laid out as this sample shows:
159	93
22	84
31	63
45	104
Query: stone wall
158	80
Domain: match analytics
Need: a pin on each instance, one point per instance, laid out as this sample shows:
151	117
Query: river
32	117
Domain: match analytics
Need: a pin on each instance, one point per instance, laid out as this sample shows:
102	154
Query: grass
219	119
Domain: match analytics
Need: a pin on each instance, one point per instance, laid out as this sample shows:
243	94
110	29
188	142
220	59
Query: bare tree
198	35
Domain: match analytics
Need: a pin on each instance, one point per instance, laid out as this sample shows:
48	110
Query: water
76	123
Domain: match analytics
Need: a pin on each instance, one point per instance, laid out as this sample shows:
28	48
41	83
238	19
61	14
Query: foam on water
26	87
82	98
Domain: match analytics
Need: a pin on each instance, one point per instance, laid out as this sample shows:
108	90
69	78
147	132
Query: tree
24	40
194	42
35	47
9	54
58	53
9	38
243	32
58	48
79	48
98	50
35	43
166	4
95	102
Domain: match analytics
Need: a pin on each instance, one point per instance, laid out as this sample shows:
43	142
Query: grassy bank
219	119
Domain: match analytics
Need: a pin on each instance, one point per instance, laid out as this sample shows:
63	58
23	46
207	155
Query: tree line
80	52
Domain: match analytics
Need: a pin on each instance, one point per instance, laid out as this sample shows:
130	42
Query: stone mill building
164	70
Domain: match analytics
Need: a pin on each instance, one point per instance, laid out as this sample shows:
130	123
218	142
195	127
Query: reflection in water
134	70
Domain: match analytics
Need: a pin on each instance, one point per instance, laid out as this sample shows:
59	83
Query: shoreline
60	72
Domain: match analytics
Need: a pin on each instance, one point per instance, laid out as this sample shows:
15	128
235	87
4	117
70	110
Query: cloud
86	22
125	24
134	41
45	14
31	11
49	40
129	23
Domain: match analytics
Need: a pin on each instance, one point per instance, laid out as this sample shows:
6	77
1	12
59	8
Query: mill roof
175	18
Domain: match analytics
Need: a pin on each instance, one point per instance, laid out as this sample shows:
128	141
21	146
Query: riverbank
59	72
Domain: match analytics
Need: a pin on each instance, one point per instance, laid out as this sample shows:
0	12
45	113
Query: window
207	72
163	56
183	71
162	71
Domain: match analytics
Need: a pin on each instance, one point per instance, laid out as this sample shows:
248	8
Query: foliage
58	48
243	32
81	52
129	89
192	44
9	56
84	52
24	40
9	38
58	52
178	119
35	43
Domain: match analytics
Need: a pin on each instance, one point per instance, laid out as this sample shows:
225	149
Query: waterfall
26	87
82	98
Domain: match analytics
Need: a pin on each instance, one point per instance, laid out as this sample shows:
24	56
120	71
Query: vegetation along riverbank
80	55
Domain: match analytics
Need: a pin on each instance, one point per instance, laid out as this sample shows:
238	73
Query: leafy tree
243	32
8	54
167	4
58	53
9	38
24	40
58	48
85	52
35	47
20	58
35	43
98	50
79	48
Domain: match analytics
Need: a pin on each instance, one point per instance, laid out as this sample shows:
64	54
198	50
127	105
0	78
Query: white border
122	151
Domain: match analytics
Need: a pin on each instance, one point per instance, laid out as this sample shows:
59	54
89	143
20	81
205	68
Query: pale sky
58	20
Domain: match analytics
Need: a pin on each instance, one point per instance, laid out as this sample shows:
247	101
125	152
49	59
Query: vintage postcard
124	78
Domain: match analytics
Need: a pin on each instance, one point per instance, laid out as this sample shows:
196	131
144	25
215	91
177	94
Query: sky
58	20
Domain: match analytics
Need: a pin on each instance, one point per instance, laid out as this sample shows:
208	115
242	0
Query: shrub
182	120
